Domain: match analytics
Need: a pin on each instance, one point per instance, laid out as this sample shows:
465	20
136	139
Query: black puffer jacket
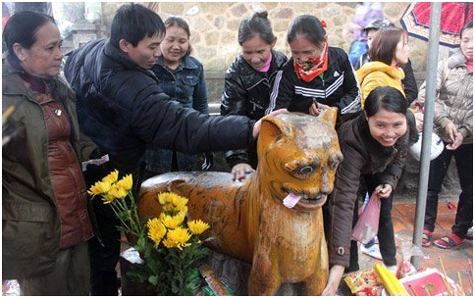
122	108
247	92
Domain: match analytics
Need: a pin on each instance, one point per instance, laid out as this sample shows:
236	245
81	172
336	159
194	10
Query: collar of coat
13	83
119	57
457	59
186	63
376	66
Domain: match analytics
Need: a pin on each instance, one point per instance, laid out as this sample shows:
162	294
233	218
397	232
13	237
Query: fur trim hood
376	66
457	59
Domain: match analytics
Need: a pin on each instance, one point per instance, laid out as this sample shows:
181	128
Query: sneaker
449	241
392	269
372	251
469	235
372	242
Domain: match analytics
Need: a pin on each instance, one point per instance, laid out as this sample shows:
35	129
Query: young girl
374	146
182	78
317	76
388	50
248	81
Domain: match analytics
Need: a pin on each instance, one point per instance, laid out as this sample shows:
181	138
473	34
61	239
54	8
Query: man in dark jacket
122	108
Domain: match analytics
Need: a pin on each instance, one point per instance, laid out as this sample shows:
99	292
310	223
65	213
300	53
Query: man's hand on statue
257	126
336	272
384	191
240	171
456	142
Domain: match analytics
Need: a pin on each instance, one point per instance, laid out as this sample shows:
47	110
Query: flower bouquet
169	245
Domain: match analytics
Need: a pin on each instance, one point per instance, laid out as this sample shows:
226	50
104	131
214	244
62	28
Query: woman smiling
374	146
182	78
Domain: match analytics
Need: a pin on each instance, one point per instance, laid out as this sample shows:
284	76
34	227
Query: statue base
231	271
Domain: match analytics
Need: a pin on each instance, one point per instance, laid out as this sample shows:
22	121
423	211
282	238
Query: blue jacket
186	85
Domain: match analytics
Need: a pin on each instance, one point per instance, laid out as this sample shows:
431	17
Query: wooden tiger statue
274	219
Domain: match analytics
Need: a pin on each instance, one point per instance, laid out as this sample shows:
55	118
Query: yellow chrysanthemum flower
126	182
172	222
197	226
156	231
112	177
172	201
168	244
177	238
99	188
117	192
165	198
183	211
107	199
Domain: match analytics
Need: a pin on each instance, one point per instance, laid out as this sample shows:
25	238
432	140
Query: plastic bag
405	268
368	223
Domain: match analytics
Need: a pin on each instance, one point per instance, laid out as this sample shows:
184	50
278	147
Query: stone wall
214	27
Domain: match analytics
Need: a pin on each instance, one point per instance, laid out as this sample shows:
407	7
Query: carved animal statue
298	157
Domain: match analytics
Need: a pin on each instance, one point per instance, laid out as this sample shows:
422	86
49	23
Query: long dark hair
385	98
383	47
21	28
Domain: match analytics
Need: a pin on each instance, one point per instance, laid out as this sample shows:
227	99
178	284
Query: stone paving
458	259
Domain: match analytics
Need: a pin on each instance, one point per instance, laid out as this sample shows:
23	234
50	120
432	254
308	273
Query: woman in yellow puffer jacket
389	49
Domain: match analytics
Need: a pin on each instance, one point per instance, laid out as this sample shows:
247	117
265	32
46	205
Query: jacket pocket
190	80
30	240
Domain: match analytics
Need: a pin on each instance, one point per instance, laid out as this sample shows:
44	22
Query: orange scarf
309	70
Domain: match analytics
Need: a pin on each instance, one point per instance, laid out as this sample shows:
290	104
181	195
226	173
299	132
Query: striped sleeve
274	92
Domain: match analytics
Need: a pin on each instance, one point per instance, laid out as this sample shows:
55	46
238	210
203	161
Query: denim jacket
186	85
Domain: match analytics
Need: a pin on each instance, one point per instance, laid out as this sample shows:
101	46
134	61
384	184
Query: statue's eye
307	170
335	160
333	165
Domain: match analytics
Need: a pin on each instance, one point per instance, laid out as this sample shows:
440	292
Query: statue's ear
330	115
272	128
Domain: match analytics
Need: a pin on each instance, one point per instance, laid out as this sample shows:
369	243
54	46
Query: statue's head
299	155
